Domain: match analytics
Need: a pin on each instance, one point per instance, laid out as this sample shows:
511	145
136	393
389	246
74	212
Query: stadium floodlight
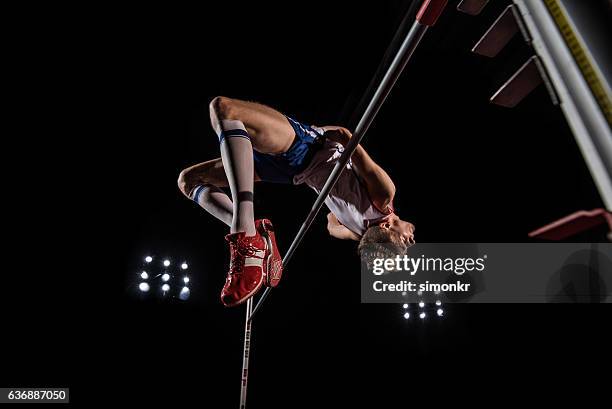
184	293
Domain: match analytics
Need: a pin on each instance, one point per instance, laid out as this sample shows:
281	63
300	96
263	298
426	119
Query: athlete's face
402	231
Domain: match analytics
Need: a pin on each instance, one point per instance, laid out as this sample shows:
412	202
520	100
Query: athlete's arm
337	230
379	185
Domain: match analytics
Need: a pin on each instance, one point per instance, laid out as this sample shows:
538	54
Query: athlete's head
387	239
398	230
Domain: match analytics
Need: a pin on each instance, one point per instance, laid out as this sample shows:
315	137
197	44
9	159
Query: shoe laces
240	252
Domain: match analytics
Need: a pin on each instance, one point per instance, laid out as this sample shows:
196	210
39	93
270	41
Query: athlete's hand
332	220
338	134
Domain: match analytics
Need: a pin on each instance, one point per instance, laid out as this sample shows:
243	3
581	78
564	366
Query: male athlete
259	143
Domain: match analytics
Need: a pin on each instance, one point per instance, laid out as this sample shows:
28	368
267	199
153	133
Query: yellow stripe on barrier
581	57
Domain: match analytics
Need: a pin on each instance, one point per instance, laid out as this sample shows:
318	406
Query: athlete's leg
243	126
202	182
268	129
249	255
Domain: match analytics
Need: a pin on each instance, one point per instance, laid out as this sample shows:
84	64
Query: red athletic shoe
272	275
248	264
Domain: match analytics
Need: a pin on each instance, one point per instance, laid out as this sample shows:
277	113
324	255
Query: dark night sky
466	171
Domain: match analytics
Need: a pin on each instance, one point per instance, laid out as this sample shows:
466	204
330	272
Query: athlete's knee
187	182
223	108
182	182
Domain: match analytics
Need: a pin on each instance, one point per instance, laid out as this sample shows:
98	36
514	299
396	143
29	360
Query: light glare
184	293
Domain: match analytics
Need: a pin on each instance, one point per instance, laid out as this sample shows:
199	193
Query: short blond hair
378	243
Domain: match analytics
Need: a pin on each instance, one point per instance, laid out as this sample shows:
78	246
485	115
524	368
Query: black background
99	201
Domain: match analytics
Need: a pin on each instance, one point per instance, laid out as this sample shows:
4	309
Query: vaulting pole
426	17
245	353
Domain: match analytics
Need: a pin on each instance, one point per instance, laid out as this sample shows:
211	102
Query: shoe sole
266	228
